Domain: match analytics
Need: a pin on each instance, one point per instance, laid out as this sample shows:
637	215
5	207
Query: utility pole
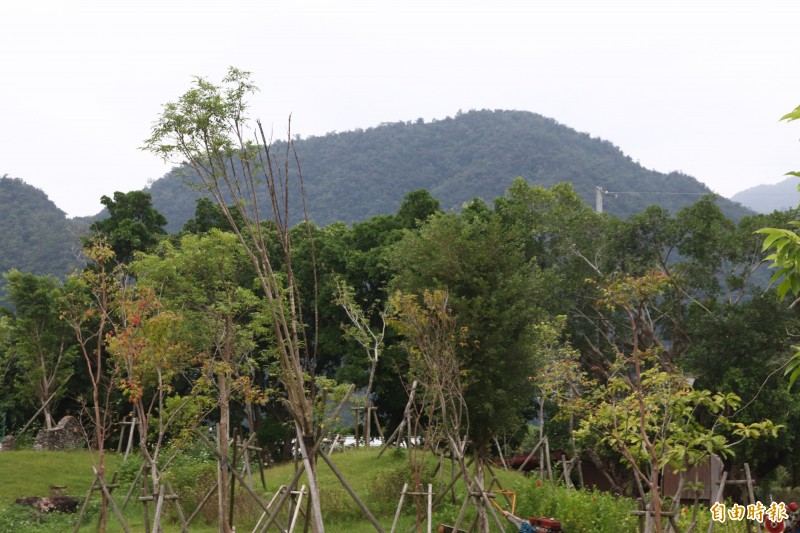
598	198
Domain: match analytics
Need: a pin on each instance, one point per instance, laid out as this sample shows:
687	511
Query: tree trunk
48	417
98	436
44	394
655	502
483	518
368	404
310	463
223	434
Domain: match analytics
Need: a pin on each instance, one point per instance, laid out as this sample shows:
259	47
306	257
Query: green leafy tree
41	344
496	294
150	349
207	216
132	224
208	279
6	367
742	347
785	247
416	207
208	127
370	339
644	408
433	340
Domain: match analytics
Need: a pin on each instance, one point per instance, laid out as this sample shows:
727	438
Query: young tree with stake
208	128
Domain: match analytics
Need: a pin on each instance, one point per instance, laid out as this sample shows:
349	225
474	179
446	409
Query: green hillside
37	237
354	175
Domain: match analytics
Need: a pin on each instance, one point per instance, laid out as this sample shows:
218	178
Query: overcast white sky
696	86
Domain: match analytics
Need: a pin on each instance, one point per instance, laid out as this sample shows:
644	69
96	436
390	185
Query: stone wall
67	435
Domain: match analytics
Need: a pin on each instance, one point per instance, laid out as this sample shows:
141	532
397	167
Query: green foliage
494	293
416	207
741	347
785	257
37	237
388	483
25	519
579	511
191	480
39	343
478	153
209	278
792	115
132	225
658	411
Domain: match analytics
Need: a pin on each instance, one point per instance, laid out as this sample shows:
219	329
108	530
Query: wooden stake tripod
405	493
293	514
129	446
98	484
476	494
749	494
370	415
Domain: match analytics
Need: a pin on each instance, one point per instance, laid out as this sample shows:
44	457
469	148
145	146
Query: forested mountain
769	198
37	237
353	175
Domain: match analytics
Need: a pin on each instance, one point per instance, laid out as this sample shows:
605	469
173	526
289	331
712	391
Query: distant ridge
36	236
768	198
354	175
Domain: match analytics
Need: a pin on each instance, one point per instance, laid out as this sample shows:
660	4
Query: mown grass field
377	481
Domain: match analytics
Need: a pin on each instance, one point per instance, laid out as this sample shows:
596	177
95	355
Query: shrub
577	510
388	484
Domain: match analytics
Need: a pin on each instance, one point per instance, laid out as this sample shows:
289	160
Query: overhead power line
600	192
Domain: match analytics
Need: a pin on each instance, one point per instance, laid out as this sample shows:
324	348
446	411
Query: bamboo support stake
297	508
750	490
374	411
232	468
463	511
530	455
399	507
159	507
547	458
273	517
718	497
352	493
129	447
111	501
430	507
205	499
455	479
500	452
238	476
271	501
133	486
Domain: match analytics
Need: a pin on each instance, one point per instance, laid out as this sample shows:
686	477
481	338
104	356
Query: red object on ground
546	524
774	527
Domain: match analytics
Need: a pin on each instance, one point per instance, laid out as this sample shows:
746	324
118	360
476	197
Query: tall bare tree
87	308
208	129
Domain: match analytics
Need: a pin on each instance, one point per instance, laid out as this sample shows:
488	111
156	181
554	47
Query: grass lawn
30	473
377	481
